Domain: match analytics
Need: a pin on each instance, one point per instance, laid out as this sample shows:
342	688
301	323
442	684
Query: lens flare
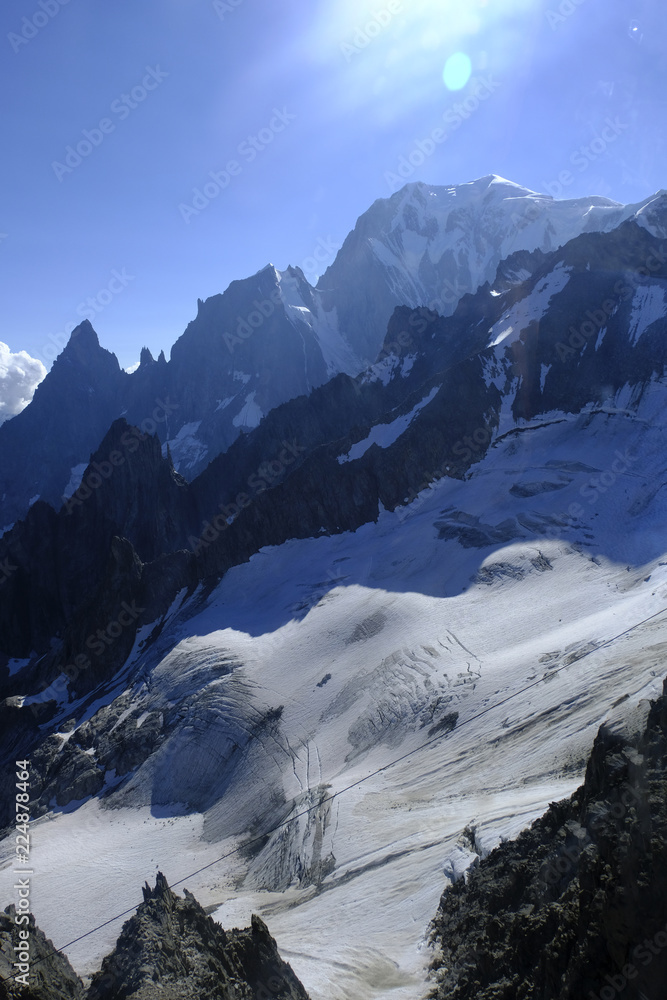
457	71
635	31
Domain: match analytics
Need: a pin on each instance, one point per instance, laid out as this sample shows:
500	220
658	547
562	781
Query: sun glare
457	71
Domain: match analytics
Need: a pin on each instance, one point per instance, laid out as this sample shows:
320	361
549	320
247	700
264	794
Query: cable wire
355	784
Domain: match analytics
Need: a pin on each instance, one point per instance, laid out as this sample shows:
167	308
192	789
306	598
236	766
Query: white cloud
19	377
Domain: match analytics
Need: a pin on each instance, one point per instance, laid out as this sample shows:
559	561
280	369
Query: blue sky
313	105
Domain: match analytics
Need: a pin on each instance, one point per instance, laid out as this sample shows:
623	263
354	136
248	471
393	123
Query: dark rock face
69	415
278	356
576	906
51	976
64	773
516	268
217	385
84	563
590	343
170	948
122	534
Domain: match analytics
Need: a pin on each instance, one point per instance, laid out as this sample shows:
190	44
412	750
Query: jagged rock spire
170	944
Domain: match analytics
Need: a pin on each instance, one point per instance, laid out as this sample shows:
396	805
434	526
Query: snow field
533	641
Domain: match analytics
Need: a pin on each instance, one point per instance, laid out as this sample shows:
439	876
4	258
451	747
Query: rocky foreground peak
51	976
169	949
576	906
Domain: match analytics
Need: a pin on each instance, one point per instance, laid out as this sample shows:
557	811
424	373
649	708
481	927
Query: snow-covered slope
476	637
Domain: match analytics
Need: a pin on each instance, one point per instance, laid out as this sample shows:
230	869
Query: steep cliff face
69	415
247	351
170	948
576	906
51	977
430	246
250	340
64	565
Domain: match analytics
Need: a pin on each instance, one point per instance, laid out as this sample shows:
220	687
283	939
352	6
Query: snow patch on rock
384	435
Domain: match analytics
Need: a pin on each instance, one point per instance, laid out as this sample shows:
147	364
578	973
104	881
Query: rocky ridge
576	906
170	949
272	337
51	976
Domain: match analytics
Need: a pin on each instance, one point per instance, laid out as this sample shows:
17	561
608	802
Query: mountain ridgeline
272	337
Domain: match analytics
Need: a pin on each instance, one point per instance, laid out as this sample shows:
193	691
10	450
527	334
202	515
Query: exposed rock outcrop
171	948
576	906
51	977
